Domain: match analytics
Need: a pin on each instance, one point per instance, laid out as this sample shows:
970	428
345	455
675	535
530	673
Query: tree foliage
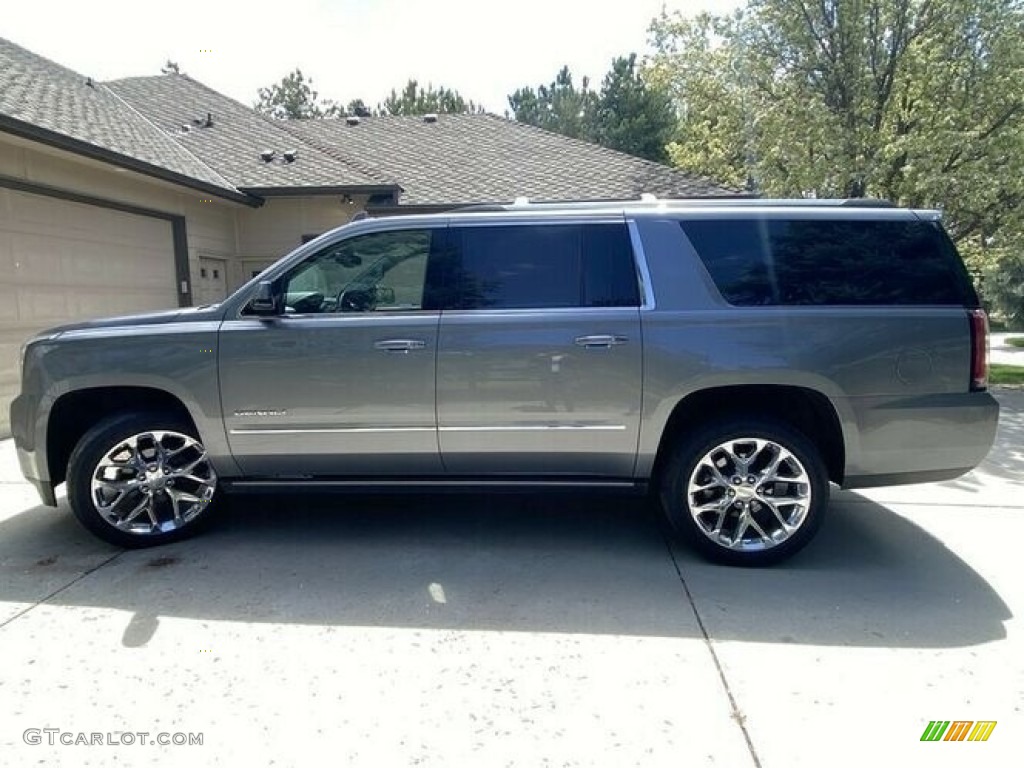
916	101
559	106
414	99
294	99
627	114
632	116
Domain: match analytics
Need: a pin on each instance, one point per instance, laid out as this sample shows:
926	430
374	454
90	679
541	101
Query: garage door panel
59	259
62	262
80	221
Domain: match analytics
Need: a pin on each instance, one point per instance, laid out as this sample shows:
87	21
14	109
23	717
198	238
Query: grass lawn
1006	375
1016	341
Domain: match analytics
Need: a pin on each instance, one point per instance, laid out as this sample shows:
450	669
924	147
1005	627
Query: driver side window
378	272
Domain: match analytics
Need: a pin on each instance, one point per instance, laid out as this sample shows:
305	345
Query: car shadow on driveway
562	564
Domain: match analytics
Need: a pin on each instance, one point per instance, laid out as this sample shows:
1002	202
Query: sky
351	48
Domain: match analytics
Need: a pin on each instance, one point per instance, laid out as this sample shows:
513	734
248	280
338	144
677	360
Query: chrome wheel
749	494
153	482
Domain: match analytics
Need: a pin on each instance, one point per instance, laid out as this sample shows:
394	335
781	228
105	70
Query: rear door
539	350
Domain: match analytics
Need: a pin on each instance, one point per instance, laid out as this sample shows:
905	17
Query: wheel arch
76	412
805	409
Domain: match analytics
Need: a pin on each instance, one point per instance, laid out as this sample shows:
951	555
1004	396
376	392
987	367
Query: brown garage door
62	261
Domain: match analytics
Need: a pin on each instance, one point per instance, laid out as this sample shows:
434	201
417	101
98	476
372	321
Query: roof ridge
373	173
277	126
166	136
280	125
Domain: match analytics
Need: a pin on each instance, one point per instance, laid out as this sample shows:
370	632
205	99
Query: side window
378	272
798	262
537	266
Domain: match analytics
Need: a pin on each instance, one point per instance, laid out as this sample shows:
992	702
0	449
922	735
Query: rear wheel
140	480
745	491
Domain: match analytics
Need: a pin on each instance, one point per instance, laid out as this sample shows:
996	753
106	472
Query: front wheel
745	491
139	480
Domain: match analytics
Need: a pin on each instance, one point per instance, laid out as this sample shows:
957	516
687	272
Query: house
155	192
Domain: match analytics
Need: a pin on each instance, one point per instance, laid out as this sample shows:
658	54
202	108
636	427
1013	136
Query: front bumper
31	456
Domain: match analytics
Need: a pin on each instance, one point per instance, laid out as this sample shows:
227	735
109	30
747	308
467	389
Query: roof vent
430	117
647	197
290	155
521	201
209	120
185	127
352	120
267	155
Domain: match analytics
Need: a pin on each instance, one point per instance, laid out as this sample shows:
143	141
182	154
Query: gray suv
733	357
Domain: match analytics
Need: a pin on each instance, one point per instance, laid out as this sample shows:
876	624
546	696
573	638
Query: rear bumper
920	439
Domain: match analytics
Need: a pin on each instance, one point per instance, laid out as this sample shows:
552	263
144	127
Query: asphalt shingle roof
238	134
456	159
485	158
38	92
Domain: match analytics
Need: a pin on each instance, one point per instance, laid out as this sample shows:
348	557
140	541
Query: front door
539	354
342	384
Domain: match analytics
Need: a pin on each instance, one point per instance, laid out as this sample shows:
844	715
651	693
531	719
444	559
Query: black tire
89	451
692	448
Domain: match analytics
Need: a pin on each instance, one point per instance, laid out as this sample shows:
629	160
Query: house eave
50	138
315	191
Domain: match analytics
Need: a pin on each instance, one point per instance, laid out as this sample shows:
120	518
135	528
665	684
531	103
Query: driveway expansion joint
736	714
54	593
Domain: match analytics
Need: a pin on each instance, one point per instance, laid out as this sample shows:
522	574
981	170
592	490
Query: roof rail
868	202
479	208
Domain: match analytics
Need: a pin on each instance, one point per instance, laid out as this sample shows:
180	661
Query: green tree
294	99
560	107
628	113
916	101
632	116
414	99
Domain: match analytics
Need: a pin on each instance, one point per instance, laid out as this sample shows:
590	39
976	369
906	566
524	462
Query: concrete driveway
480	631
1002	352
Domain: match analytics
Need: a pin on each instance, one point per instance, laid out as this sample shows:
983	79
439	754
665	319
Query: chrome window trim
647	301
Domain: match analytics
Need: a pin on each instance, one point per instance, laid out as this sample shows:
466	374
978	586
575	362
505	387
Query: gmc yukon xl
734	357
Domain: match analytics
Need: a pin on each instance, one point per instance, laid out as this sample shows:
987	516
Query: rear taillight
979	349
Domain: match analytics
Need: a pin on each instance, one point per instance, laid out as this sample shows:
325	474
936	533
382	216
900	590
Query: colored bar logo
958	730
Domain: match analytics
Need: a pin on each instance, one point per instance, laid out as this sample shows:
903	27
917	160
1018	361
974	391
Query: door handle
600	341
399	345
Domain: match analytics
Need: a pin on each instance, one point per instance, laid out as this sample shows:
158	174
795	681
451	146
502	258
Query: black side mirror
264	301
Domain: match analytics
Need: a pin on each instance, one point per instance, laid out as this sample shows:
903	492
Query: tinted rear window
813	262
537	267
